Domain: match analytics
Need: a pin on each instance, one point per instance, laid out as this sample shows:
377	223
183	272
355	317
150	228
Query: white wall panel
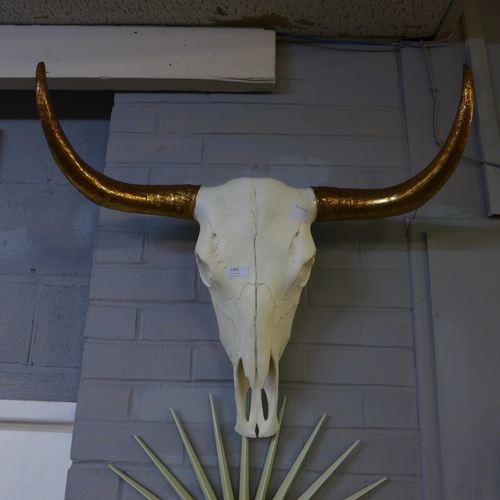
465	293
35	442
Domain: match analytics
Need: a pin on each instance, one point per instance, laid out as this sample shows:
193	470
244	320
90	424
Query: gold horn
171	201
351	204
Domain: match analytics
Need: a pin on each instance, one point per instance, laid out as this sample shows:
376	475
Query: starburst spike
178	488
143	491
319	482
244	474
268	466
227	490
360	493
287	482
208	492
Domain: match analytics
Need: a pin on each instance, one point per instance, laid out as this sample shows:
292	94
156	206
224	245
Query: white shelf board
138	58
52	412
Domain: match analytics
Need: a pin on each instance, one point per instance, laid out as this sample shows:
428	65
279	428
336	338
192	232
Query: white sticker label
236	272
300	213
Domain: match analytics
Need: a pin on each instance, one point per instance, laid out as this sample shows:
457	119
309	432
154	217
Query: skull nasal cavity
265	403
242	380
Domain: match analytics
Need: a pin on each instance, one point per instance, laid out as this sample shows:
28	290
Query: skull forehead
241	203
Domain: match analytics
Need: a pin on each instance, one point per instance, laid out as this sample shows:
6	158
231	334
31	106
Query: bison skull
261	226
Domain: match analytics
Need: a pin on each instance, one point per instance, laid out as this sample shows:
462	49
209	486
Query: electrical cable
364	43
433	89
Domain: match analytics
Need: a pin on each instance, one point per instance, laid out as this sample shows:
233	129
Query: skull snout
260	420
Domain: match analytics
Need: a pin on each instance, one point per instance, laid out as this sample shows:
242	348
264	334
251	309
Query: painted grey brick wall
337	118
47	233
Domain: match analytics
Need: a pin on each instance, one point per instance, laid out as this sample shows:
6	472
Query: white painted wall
35	442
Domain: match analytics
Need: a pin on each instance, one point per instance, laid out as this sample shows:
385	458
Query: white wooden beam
139	58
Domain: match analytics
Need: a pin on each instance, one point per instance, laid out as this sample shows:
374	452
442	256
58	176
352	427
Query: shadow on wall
69	104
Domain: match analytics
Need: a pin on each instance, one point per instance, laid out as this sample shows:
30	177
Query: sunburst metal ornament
244	489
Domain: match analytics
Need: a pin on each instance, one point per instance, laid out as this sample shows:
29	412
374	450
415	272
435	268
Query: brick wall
47	233
337	118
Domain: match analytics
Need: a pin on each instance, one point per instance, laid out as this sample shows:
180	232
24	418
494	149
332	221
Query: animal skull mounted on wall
262	228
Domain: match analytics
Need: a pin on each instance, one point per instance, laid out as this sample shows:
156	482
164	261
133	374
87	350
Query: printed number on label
236	272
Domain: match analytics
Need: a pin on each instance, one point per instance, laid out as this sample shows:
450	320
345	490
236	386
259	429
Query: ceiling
322	18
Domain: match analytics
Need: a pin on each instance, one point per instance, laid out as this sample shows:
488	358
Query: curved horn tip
41	78
40	69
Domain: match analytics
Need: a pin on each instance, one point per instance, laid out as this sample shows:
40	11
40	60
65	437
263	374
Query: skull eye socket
306	271
204	269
